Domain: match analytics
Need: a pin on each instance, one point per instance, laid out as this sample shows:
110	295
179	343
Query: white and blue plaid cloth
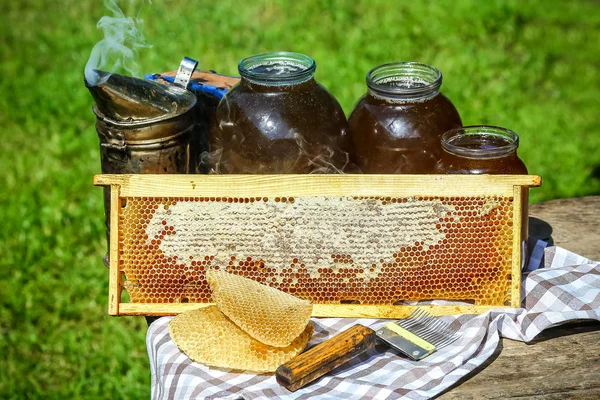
559	287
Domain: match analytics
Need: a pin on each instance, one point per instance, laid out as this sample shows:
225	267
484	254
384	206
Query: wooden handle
324	357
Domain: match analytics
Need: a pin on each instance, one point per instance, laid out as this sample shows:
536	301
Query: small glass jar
279	120
480	150
396	126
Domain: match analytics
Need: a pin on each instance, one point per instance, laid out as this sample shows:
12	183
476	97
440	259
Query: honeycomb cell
209	337
455	248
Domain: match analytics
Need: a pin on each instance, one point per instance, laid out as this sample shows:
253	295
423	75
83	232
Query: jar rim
304	69
428	77
450	138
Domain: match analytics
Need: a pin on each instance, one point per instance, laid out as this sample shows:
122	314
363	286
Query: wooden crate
355	245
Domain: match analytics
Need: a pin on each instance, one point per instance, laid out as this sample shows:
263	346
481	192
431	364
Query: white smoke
118	50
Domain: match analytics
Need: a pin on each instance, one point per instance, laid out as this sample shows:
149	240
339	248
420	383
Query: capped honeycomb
207	336
327	250
267	314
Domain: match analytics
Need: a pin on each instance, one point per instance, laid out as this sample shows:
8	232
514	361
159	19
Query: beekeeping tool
144	127
417	337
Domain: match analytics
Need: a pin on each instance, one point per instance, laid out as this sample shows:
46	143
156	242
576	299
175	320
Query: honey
480	150
396	127
454	248
278	120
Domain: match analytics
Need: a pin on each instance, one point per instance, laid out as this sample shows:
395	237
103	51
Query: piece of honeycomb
207	336
332	250
282	318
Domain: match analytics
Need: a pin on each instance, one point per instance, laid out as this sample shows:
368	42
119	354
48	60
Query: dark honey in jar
397	125
278	119
480	150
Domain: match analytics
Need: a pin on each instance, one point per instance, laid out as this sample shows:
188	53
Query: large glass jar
396	126
480	150
278	119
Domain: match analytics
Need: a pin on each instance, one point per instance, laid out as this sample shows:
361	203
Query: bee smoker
145	127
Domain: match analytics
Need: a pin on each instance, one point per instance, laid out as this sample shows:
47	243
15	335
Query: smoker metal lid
131	102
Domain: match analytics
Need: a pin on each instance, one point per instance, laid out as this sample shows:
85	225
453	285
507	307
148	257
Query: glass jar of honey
279	120
396	126
480	150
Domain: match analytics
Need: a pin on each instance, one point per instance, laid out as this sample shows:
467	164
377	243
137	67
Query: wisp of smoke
118	49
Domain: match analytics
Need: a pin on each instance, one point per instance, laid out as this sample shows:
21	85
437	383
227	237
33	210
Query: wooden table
563	362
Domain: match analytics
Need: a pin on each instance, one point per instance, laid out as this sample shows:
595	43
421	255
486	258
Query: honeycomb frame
354	245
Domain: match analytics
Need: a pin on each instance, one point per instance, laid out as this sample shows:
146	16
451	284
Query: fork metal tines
429	328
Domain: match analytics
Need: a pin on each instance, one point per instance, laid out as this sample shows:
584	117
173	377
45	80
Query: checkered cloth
567	288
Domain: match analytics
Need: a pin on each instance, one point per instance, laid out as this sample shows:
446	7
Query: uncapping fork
417	336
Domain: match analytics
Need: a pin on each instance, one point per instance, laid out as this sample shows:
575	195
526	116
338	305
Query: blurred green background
530	66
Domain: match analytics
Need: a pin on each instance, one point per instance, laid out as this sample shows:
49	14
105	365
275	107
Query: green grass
529	66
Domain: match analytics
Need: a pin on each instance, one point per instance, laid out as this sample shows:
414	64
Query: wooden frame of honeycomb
354	245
